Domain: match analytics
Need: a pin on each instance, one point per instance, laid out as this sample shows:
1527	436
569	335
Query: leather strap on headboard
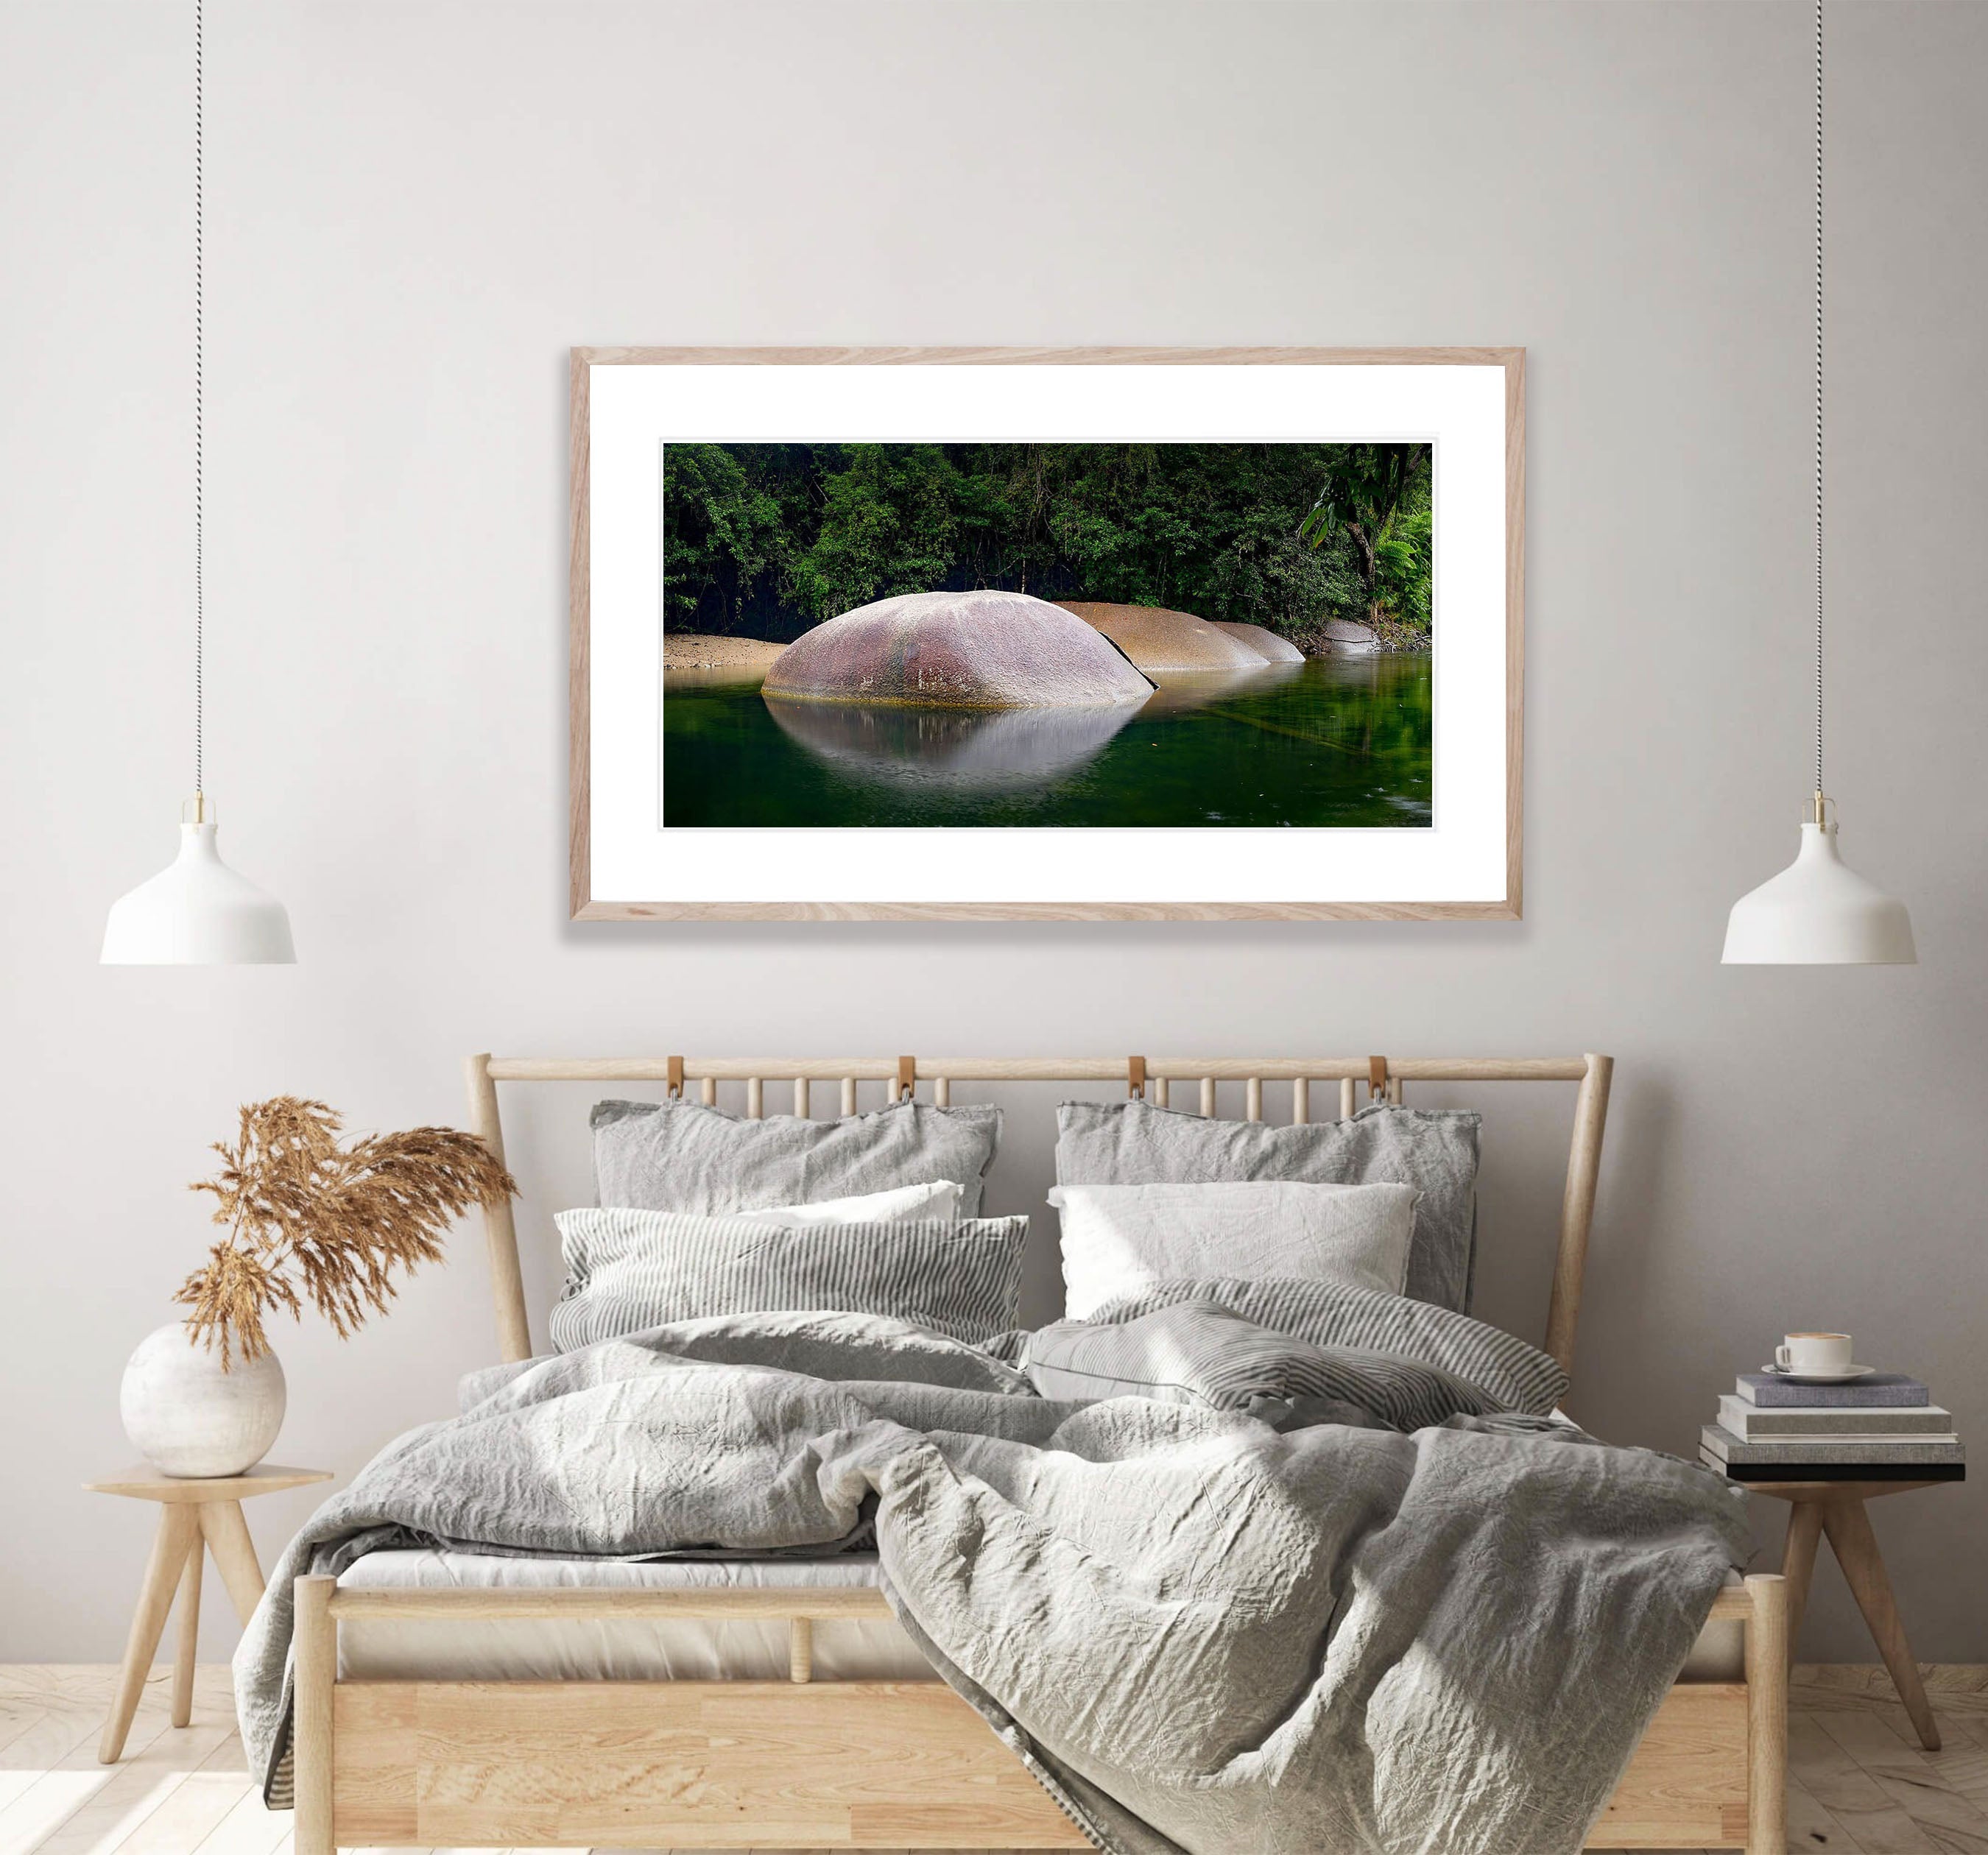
674	1065
1376	1077
1135	1078
908	1078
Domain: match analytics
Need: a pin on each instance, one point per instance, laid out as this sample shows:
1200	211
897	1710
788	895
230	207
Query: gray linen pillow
1513	1375
1133	1142
1196	1352
629	1270
682	1156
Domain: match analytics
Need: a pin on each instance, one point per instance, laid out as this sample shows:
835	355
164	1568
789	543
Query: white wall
415	208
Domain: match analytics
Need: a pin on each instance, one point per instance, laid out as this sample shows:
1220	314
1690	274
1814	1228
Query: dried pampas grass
309	1218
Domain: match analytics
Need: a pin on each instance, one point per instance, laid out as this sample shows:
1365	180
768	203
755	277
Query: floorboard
1888	1751
1859	1783
1876	1820
1811	1827
198	1807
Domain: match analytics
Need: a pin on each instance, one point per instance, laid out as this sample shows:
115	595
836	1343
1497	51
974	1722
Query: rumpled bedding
1201	1630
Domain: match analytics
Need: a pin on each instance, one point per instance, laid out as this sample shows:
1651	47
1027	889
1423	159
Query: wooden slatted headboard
1151	1075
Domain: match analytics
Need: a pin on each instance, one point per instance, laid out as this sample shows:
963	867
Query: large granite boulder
1155	638
956	650
1265	642
1347	639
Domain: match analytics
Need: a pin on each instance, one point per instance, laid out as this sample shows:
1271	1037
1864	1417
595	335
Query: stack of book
1881	1428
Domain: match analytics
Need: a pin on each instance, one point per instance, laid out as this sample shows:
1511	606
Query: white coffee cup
1815	1353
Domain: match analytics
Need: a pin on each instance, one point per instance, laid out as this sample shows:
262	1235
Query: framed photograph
1026	633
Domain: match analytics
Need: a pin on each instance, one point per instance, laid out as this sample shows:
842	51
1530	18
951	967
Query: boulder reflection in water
958	749
1179	690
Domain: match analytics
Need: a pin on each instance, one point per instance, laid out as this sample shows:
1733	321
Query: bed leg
1766	1716
316	1669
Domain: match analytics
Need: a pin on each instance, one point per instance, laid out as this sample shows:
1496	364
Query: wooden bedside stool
195	1518
1834	1510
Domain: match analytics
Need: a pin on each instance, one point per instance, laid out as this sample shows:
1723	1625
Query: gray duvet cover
1199	1634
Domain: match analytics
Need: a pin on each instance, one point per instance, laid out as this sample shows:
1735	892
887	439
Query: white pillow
1117	1238
938	1201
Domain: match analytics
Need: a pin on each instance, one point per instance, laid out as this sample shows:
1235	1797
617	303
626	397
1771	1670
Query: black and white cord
1818	397
199	421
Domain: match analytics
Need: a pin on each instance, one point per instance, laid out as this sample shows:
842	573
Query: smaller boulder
1265	642
1346	638
1156	638
698	656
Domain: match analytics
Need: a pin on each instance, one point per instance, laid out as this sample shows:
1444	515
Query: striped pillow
627	1270
1514	1376
1195	1353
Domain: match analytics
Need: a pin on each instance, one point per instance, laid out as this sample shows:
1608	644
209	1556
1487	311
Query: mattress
620	1648
628	1649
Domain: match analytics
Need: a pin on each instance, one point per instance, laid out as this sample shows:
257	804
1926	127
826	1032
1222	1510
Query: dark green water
1337	741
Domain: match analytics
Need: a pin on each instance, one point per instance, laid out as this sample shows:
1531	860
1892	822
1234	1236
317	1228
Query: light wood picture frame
629	405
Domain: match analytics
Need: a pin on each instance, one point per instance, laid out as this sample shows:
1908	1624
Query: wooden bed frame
858	1764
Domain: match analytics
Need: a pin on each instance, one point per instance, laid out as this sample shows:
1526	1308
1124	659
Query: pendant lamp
196	911
1819	911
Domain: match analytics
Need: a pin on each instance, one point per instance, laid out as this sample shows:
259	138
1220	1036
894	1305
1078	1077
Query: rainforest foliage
767	540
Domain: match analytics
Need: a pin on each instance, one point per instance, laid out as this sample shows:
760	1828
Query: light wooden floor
1860	1785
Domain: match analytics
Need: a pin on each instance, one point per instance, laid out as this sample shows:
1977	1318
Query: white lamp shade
197	912
1819	912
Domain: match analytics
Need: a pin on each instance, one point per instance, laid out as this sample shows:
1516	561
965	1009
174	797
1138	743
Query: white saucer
1819	1378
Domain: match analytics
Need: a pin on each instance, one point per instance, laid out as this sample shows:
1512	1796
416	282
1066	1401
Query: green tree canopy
769	539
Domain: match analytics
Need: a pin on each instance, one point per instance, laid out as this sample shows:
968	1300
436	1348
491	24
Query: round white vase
188	1418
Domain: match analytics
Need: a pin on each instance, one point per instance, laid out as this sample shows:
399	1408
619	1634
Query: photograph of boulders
1100	635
